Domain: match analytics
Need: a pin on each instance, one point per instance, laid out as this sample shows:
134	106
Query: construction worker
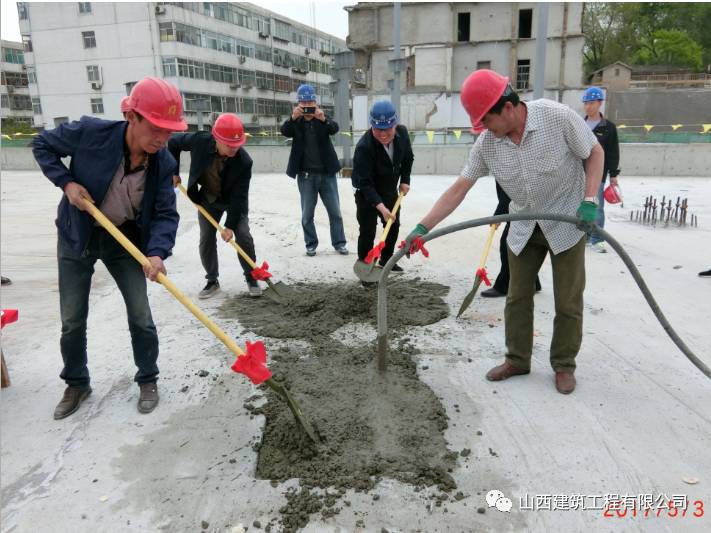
125	105
381	168
122	167
534	151
314	164
606	134
222	169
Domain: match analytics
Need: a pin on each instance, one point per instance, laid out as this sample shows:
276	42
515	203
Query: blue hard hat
593	93
306	93
383	115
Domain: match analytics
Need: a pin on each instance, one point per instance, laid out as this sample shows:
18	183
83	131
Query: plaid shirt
543	174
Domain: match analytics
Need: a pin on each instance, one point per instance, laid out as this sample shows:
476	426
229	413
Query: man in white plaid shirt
547	160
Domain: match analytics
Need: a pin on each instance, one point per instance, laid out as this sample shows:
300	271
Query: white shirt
544	173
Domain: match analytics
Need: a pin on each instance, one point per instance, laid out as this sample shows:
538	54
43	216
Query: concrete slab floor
637	424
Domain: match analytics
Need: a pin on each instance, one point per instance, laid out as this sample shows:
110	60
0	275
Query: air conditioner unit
96	85
234	85
242	59
307	51
263	34
255	118
160	10
247	86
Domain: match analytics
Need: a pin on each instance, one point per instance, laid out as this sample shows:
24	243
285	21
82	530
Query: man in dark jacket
501	285
123	168
606	134
223	170
381	167
314	164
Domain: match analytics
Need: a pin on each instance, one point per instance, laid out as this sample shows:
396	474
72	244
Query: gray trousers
208	242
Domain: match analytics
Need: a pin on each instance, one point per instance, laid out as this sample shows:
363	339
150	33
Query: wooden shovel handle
219	228
162	278
487	246
390	221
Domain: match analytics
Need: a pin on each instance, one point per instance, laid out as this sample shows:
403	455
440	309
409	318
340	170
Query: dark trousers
75	272
368	217
208	242
502	280
568	287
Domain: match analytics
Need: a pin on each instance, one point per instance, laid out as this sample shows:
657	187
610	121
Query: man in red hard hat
125	105
534	151
122	167
220	172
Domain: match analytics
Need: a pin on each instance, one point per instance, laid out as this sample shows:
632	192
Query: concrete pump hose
382	286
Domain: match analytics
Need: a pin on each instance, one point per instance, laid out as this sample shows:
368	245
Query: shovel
480	272
367	270
275	291
250	363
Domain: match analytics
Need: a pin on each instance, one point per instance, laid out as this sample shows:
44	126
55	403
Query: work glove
413	241
587	213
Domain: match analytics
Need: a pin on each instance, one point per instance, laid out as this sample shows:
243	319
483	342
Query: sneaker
311	252
342	250
148	397
210	289
254	290
599	247
397	268
70	402
492	293
705	274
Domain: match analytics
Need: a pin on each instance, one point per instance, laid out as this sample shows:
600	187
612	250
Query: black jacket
606	134
295	129
374	174
236	174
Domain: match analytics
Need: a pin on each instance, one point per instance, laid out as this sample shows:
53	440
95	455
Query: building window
617	72
31	75
36	106
4	101
15	79
167	32
84	7
20	102
483	64
97	106
129	87
92	73
523	71
525	22
12	55
27	43
169	68
463	20
22	12
89	39
282	30
265	80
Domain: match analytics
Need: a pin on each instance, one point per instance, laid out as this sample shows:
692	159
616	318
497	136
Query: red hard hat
480	91
125	104
228	129
159	102
612	194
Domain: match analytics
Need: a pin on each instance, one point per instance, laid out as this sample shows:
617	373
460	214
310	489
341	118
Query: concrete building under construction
442	42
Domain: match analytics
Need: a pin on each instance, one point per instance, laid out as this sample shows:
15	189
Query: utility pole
343	67
541	45
396	61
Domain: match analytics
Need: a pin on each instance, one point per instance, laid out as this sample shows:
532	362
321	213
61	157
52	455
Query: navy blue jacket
297	130
375	175
236	174
96	148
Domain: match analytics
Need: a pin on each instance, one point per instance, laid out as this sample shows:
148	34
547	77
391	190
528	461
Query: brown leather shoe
504	371
565	382
70	402
148	398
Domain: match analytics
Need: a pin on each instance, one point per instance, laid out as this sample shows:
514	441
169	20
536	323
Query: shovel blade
295	409
367	272
469	297
278	291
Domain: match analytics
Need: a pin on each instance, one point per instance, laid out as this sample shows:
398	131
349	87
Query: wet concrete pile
374	425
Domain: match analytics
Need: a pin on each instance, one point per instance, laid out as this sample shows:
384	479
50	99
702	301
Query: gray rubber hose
626	259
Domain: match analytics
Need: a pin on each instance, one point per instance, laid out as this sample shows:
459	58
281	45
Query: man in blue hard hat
381	169
314	164
606	134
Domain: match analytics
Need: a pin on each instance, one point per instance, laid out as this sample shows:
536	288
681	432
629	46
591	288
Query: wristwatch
592	199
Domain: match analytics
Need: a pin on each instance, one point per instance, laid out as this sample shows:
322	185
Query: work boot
70	402
342	250
492	293
210	289
254	290
505	371
148	397
310	251
565	382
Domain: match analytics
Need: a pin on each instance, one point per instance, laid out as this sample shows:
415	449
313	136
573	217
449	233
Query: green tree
670	47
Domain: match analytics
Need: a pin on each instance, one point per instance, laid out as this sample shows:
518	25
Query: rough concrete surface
638	422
